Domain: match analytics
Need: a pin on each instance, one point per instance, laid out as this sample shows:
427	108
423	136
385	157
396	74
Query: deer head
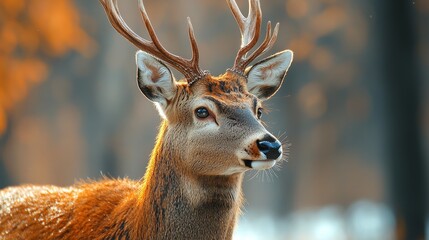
214	125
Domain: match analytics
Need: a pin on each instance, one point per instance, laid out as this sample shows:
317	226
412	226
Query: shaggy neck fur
174	202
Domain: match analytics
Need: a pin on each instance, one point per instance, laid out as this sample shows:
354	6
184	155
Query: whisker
262	176
282	135
278	166
272	175
255	175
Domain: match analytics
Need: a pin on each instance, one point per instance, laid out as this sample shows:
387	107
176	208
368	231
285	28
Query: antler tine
195	53
153	36
249	26
115	18
188	67
250	30
266	45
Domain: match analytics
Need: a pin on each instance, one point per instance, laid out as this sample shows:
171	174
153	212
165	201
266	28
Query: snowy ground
363	220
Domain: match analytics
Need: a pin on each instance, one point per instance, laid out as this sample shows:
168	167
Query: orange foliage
28	29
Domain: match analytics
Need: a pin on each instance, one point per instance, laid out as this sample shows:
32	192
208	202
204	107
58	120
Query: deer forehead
226	90
227	84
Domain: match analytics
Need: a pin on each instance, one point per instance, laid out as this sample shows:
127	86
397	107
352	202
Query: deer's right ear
154	78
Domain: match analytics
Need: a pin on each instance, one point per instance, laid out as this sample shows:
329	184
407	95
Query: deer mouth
259	164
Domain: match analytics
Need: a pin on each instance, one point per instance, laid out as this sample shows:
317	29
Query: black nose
270	147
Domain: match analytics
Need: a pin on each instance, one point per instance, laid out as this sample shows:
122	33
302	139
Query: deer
210	135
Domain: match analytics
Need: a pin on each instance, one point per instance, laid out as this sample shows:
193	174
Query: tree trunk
397	31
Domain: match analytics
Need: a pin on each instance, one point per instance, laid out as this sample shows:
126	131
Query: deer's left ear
265	77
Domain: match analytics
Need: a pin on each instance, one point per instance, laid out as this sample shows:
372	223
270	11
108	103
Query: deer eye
202	112
259	113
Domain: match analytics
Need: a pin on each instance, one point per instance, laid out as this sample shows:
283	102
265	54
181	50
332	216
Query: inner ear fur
154	78
265	77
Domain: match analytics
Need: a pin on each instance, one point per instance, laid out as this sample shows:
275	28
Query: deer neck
177	203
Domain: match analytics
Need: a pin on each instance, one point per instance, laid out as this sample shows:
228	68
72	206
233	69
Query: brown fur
173	199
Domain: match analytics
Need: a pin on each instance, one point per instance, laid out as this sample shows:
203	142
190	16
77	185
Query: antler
188	67
250	31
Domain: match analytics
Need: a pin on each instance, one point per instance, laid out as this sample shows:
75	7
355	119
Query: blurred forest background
354	106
